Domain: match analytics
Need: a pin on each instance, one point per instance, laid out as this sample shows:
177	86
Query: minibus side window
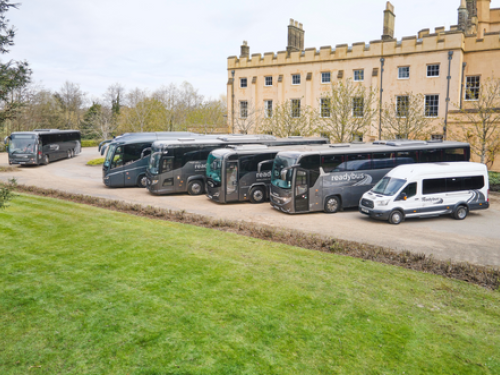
410	190
473	183
434	186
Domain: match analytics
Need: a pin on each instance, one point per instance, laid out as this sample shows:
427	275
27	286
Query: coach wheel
257	195
46	159
396	217
461	213
141	181
68	154
72	153
332	205
195	188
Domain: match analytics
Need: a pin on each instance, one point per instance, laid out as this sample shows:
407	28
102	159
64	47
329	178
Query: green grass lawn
89	291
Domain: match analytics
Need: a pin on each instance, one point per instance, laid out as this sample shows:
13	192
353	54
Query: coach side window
333	163
358	162
384	160
455	154
408	157
311	163
431	156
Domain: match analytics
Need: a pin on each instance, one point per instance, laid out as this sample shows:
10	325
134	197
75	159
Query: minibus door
232	181
301	192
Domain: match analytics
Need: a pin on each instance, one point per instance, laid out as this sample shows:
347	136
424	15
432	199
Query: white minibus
427	190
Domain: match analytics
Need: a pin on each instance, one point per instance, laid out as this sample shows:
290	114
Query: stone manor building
445	66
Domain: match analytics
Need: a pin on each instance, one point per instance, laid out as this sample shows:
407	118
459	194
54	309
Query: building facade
443	66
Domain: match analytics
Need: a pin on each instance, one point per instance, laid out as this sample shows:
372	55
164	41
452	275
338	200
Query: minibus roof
412	171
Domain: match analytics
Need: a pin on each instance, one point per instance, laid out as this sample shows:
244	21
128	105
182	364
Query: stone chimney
389	21
245	50
295	37
463	17
483	17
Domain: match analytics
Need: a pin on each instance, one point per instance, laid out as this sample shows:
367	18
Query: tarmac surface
475	240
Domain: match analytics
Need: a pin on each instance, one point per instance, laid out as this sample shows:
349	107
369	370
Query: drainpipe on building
232	103
445	128
382	60
462	85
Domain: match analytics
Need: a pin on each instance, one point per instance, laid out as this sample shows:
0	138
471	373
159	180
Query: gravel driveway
474	240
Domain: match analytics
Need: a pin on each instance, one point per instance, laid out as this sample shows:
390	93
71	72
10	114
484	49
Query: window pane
431	156
455	154
402	104
433	70
295	104
358	162
359	75
404	72
325	107
410	190
472	88
431	105
358	107
434	186
296	79
243	109
473	183
268	81
243	82
325	77
408	157
384	160
332	163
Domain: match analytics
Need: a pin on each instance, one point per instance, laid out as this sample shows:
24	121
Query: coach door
301	191
231	181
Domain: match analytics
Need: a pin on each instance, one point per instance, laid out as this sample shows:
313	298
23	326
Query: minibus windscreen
388	186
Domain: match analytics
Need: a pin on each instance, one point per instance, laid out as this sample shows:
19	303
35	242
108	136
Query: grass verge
89	291
98	161
494	181
488	277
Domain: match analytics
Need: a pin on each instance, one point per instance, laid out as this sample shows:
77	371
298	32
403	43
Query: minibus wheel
332	205
195	187
461	212
396	217
257	195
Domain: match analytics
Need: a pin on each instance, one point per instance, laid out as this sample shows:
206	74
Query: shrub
98	161
6	193
494	181
90	142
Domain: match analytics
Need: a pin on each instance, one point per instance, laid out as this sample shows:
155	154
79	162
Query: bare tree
138	111
247	118
208	118
346	111
70	99
479	123
290	118
405	118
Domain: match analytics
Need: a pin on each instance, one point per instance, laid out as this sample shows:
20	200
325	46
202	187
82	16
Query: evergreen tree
13	74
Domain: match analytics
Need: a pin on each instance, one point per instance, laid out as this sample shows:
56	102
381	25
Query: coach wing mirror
146	152
6	140
264	165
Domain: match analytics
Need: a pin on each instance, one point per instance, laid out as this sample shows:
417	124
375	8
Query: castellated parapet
424	42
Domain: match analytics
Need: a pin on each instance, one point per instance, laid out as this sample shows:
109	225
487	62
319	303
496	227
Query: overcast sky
150	43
